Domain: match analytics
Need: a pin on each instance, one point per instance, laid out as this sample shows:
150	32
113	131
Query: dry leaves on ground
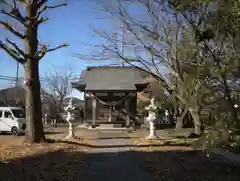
48	161
172	159
185	165
161	144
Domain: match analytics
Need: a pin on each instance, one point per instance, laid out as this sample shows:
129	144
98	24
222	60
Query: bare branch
45	8
15	14
56	6
42	2
12	30
42	20
44	50
12	53
57	85
49	95
154	63
157	77
21	52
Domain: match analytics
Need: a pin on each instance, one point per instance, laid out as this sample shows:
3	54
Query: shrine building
110	94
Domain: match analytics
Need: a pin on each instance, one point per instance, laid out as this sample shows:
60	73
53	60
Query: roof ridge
108	66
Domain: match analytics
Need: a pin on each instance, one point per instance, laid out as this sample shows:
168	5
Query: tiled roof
111	78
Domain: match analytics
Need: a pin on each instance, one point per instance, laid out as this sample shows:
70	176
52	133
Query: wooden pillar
97	109
110	96
85	107
94	106
127	101
110	114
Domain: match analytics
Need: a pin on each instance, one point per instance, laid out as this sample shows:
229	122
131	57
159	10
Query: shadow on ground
10	134
45	132
108	138
52	132
168	143
64	165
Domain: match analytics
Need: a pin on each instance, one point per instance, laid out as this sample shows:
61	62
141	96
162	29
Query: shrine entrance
112	108
110	94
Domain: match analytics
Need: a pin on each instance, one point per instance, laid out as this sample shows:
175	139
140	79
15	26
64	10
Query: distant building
13	96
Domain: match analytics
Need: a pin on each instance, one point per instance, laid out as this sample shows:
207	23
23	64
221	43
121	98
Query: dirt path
112	159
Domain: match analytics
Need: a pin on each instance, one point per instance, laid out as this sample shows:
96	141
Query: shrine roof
110	78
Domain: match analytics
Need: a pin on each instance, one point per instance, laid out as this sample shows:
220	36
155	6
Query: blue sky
71	24
74	25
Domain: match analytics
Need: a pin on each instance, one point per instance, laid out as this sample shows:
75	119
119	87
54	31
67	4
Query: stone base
70	135
110	129
84	125
151	137
110	126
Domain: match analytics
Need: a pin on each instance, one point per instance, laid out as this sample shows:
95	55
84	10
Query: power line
12	78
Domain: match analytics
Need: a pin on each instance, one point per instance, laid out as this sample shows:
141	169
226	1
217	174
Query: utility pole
16	83
122	37
122	46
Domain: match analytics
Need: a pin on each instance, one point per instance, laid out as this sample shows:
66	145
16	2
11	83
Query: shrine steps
104	125
110	129
104	128
110	125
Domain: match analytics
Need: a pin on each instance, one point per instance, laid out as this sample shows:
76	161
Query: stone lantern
152	108
70	116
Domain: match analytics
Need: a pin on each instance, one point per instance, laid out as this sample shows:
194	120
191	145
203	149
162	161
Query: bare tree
151	42
176	34
56	87
30	56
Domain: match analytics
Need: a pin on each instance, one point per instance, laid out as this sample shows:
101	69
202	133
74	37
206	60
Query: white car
12	119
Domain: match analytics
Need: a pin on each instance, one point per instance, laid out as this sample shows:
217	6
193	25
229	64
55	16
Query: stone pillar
127	101
94	105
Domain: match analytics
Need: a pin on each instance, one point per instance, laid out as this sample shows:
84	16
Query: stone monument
70	116
166	118
152	108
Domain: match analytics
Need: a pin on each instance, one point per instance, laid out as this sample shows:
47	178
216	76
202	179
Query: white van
12	119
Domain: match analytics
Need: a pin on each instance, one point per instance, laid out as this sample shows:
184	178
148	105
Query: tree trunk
34	132
179	123
196	120
171	116
33	104
234	117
